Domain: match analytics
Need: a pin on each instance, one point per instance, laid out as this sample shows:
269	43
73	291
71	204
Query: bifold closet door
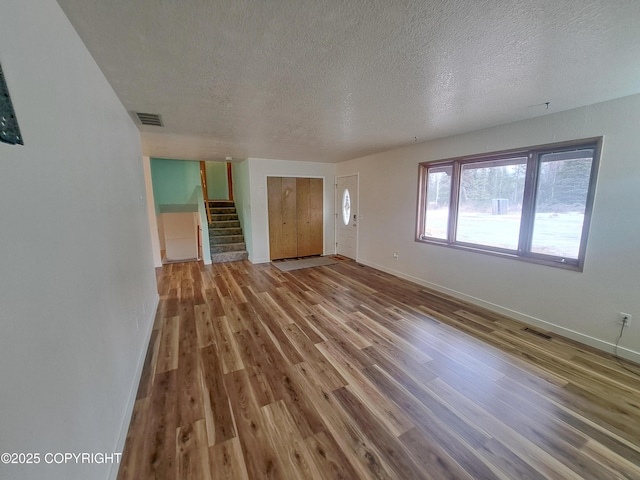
295	217
309	208
283	217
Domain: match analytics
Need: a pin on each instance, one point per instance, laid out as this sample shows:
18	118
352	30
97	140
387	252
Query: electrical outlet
624	319
395	255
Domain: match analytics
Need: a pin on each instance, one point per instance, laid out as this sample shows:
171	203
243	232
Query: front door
347	216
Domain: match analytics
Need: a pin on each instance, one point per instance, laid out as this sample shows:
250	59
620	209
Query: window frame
533	155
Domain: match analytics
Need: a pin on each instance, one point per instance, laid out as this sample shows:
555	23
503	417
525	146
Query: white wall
242	200
77	284
583	305
259	169
198	199
151	213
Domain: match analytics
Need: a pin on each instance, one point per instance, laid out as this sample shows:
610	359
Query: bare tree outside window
532	204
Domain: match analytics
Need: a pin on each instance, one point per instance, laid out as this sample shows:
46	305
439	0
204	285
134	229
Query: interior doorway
347	216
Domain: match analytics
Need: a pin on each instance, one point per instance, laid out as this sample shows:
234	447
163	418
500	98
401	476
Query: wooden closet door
309	209
281	199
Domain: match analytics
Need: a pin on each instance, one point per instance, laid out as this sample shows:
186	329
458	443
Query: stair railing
203	181
229	181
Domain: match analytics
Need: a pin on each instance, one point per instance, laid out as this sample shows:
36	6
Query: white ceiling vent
152	119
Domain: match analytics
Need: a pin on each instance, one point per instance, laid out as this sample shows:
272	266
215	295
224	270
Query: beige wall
579	305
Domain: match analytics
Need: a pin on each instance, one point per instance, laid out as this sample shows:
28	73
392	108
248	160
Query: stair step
222	239
221	203
229	256
226	240
226	210
219	217
228	247
225	224
216	232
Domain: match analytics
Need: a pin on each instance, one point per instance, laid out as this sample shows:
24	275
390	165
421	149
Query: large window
533	204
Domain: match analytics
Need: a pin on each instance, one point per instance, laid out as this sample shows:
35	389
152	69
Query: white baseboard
268	260
259	260
124	428
603	345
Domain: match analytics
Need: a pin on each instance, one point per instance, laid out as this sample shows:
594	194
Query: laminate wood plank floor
346	372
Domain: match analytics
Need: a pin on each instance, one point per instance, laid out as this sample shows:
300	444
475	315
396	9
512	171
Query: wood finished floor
345	372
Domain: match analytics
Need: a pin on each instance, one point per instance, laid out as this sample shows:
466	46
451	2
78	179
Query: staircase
225	234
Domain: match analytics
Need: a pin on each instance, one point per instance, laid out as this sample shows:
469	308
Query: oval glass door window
346	206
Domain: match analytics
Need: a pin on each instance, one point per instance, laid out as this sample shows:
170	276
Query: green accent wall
217	182
174	181
242	198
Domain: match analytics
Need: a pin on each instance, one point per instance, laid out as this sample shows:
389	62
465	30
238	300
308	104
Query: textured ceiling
329	80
